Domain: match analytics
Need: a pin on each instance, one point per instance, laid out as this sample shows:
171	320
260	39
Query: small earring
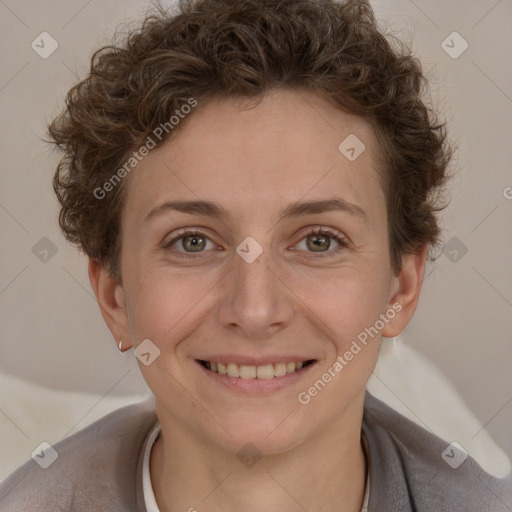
120	345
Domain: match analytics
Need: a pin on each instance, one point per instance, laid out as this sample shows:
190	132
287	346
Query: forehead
291	145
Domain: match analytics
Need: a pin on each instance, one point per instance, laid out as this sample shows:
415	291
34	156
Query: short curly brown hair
218	48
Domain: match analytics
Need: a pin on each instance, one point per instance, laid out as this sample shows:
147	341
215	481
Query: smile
267	371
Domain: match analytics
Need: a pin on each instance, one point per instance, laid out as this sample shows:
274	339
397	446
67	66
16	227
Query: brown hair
214	48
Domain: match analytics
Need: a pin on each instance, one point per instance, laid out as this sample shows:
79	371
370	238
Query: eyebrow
296	209
299	208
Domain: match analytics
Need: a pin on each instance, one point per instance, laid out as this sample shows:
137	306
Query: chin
268	436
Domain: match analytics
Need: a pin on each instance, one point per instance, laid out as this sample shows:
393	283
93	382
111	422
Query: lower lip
257	386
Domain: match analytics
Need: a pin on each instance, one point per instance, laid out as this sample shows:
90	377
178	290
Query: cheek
345	303
161	303
346	307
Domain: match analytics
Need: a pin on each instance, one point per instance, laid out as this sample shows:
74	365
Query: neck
326	473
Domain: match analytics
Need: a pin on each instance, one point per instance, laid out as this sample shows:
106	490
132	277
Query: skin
291	299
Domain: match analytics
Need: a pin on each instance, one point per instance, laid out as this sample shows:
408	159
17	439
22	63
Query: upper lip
256	360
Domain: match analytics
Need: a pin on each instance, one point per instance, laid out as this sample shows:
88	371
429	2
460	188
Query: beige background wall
51	329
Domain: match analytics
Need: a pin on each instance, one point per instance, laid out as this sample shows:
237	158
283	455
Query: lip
256	386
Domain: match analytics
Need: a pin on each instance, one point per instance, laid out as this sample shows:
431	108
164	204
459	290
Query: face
286	260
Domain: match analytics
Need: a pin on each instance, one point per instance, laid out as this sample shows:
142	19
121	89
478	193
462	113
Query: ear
110	296
405	292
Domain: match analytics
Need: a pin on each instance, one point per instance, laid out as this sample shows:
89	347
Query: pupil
320	241
194	242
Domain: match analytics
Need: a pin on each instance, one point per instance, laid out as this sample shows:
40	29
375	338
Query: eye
189	241
319	240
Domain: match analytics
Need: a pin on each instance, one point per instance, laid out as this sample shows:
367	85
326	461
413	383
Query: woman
255	185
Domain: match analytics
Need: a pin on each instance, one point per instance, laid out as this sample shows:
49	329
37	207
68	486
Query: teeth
280	369
247	372
265	372
268	371
233	370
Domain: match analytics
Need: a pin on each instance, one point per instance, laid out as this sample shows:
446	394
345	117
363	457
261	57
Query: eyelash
342	241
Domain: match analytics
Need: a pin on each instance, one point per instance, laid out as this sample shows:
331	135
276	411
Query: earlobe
110	296
406	290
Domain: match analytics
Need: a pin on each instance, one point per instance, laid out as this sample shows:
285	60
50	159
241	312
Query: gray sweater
100	469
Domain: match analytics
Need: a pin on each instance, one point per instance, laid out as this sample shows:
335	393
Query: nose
256	300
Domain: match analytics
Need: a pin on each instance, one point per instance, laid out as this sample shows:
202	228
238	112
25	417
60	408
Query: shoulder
413	469
93	469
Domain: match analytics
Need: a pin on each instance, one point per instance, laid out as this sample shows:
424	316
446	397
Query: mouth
263	372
